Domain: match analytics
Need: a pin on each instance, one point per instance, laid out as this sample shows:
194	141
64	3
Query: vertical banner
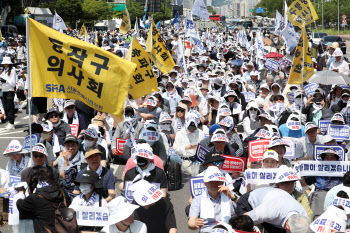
301	11
125	25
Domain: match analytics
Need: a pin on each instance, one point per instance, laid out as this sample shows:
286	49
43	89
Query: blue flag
176	19
158	24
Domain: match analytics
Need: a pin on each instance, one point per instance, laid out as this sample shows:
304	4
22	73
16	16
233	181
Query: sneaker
10	126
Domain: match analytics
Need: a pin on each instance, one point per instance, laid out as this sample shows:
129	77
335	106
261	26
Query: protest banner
26	143
309	89
120	142
294	125
91	216
322	168
234	164
68	68
128	190
74	129
339	132
290	151
271	64
302	67
276	107
300	12
249	96
340	149
125	25
158	52
323	125
290	97
257	176
257	148
200	152
144	80
197	186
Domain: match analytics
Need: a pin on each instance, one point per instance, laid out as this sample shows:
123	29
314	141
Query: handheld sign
91	216
234	164
197	186
248	96
256	149
74	129
271	64
310	89
200	152
318	149
323	125
120	142
339	132
128	190
322	168
290	151
277	107
290	97
26	143
294	125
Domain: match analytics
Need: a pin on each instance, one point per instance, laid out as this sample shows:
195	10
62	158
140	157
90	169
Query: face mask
165	127
298	101
216	87
85	188
102	131
239	85
89	143
164	80
294	90
253	114
45	136
141	162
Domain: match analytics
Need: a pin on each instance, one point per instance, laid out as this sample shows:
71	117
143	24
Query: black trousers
9	105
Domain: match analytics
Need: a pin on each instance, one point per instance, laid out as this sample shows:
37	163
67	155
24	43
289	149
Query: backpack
174	175
65	218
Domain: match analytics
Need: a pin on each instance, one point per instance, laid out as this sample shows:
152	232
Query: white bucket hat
6	61
119	209
285	174
13	148
146	193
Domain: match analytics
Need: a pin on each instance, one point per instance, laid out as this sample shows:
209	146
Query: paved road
179	198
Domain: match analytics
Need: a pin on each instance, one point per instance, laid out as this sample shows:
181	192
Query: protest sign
197	186
323	125
276	107
120	142
310	89
257	176
249	96
26	143
318	149
257	148
294	125
91	216
290	97
234	164
339	132
271	64
301	12
322	168
200	152
68	68
290	151
128	190
267	41
74	129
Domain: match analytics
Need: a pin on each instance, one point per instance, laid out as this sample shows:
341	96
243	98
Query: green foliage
270	7
211	10
96	9
16	8
135	10
164	14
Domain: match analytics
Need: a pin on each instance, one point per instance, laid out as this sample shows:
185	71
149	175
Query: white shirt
342	65
136	227
10	80
184	138
77	201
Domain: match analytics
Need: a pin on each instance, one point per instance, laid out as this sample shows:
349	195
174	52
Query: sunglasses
279	99
166	123
180	110
53	115
70	107
217	163
39	155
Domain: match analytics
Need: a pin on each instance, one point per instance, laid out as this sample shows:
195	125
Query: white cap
270	154
68	103
164	116
146	193
47	126
14	147
285	174
332	219
39	147
91	132
144	150
219	135
213	173
120	209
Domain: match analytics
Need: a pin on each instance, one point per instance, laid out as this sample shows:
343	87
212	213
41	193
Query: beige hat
334	45
92	152
205	86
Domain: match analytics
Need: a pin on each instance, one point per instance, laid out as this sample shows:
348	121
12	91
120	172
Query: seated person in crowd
18	160
92	139
60	128
50	141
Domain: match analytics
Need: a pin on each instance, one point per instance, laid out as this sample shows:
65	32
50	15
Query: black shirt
159	218
157	176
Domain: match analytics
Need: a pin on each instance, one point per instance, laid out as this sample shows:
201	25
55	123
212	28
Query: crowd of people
220	100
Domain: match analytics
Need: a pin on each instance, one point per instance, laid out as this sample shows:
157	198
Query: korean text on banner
234	164
323	125
161	57
120	142
339	132
200	152
301	11
68	68
197	186
256	149
318	149
82	31
271	64
296	77
87	216
322	168
144	81
125	25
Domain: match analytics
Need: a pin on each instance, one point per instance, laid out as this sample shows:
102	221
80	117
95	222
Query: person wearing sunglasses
61	128
18	160
72	117
179	119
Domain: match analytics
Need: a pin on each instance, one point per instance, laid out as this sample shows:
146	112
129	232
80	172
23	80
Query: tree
96	10
164	14
16	8
270	7
211	10
135	10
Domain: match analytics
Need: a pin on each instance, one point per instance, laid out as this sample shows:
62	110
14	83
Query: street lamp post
338	17
322	18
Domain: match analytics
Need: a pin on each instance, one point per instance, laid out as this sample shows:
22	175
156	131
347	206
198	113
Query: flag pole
29	77
302	70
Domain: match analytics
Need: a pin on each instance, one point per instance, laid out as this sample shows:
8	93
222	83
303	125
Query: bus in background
221	18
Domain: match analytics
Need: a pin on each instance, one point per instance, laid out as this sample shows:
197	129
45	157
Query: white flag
288	34
200	9
259	45
141	24
198	45
58	23
180	54
278	24
190	30
136	29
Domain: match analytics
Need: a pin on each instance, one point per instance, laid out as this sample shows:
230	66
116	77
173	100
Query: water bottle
195	168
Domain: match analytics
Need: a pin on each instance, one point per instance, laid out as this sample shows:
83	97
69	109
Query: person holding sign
156	211
280	146
61	128
216	204
89	185
18	160
72	117
122	219
315	107
50	140
285	179
293	127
